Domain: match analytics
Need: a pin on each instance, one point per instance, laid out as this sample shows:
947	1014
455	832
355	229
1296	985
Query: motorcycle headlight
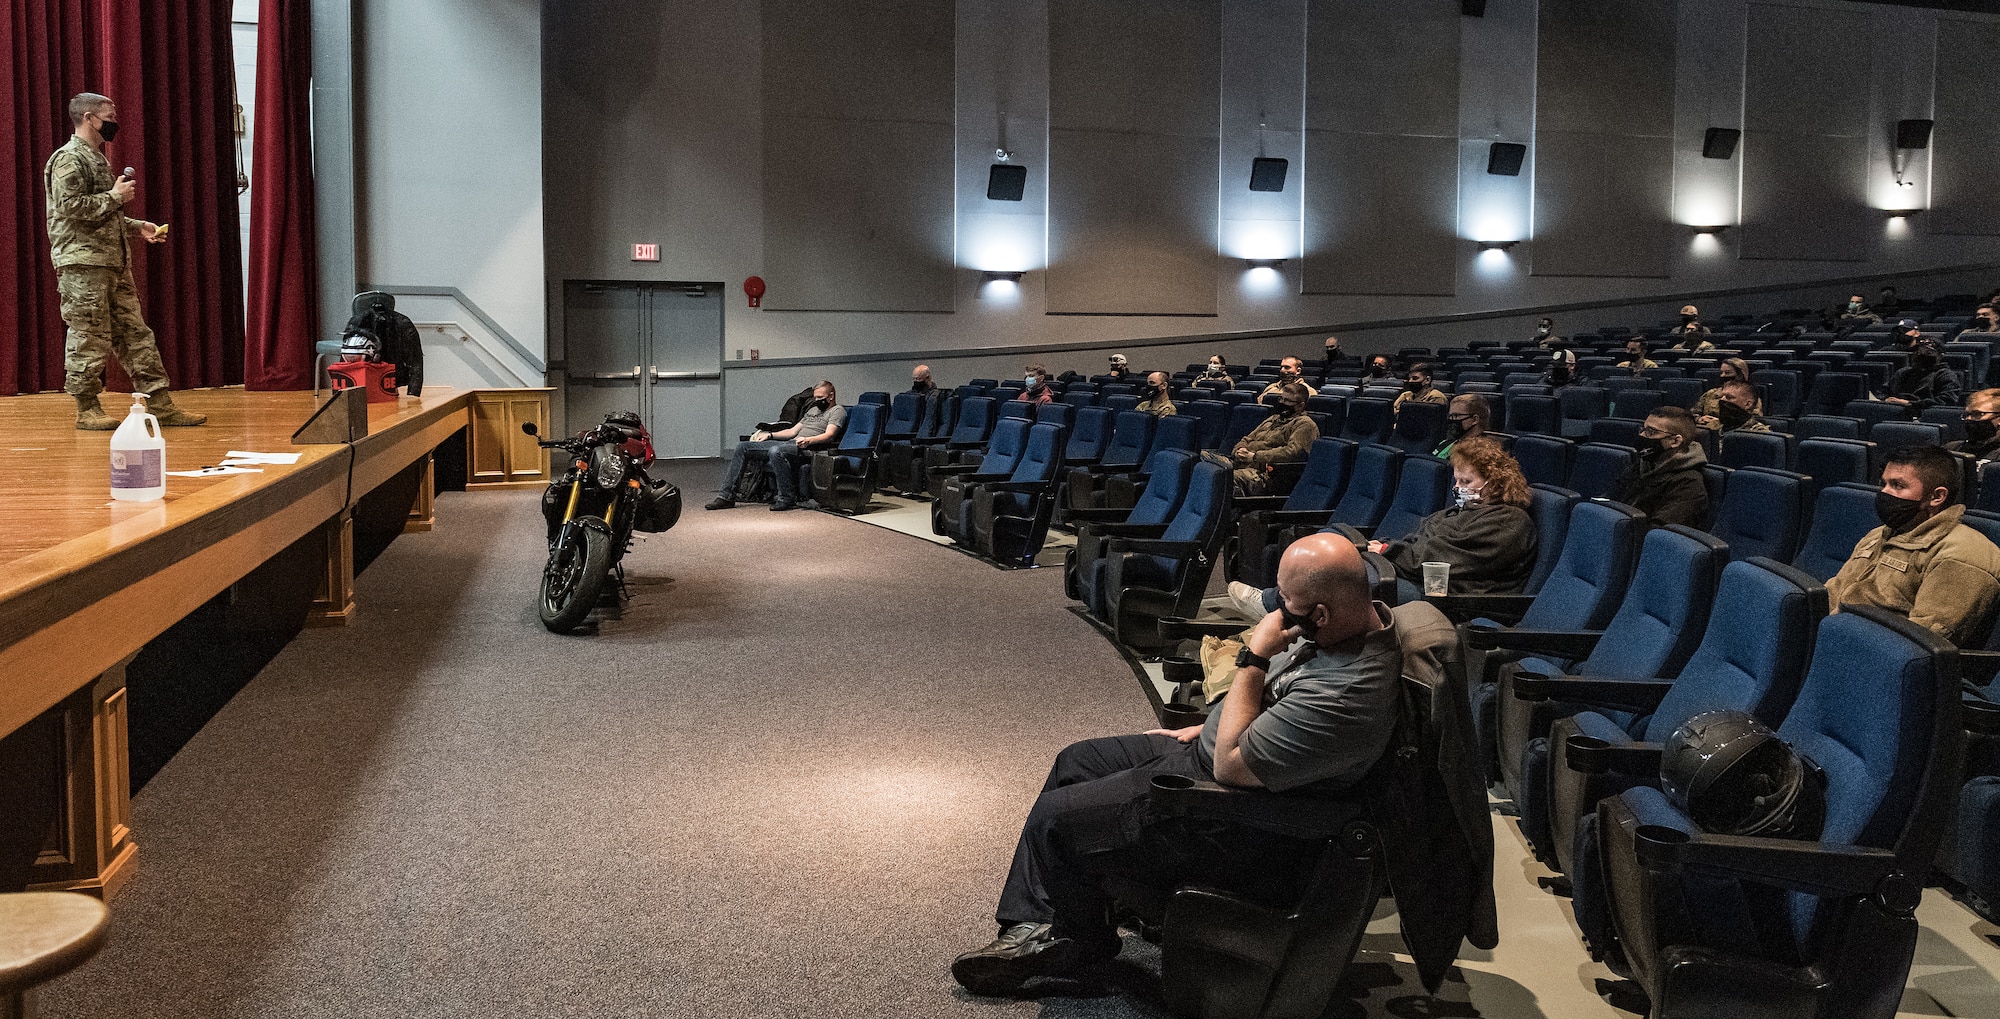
606	466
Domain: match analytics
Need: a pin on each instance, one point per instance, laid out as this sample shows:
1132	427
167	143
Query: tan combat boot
160	404
90	416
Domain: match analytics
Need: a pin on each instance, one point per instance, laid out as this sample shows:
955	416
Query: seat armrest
773	426
1980	716
1979	667
1017	486
958	471
930	440
1252	503
1463	608
1303	817
1820	868
1120	530
1348	531
1099	515
1104	468
1593	756
1570	644
1182	628
1623	694
1153	546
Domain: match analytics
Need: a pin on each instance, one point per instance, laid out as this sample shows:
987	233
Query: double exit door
654	348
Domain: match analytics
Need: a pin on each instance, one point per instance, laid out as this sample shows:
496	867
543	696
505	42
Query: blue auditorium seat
1755	449
1549	507
1617	431
1832	391
1142	580
1598	467
1826	426
1834	461
968	436
1265	524
1763	513
1780	388
1371	486
1889	436
1211	419
1089	437
1242	418
873	397
1423	487
949	481
1759	926
1580	406
1842	515
1545	459
905	413
1369	419
1636	403
1131	440
1532	413
1167	473
1008	521
844	477
1419	427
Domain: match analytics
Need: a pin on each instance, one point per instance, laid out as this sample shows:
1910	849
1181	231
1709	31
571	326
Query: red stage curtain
284	275
169	67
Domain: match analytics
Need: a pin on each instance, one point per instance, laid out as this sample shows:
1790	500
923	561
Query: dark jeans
1094	821
783	457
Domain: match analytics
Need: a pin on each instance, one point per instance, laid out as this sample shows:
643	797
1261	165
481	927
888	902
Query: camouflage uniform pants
101	306
1252	481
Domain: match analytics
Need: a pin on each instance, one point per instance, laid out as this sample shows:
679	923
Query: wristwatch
1247	658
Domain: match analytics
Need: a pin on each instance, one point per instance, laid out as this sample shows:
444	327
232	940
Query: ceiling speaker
1504	159
1005	182
1719	142
1268	174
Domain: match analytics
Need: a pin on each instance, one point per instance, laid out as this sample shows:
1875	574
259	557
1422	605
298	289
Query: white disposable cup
1437	579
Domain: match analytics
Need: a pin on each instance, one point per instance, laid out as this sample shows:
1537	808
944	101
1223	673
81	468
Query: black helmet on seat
1732	775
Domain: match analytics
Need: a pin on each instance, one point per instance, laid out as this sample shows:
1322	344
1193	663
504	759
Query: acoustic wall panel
1805	138
1381	150
1604	128
1134	103
1965	143
858	114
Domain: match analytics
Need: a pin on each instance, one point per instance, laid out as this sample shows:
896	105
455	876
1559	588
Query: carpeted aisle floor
784	783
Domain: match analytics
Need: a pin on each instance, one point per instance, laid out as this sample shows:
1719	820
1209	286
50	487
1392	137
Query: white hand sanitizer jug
138	456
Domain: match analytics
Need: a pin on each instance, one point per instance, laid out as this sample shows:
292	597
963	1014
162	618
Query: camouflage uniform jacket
87	224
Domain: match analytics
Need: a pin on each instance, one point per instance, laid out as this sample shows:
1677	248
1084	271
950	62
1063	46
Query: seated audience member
1311	708
1731	369
1284	437
783	452
1417	388
1562	368
1923	562
1735	409
1118	370
929	396
1666	483
1636	360
1158	400
1985	320
1334	358
1982	427
1545	334
1465	417
1039	390
1926	381
1855	314
1905	334
1691	335
1379	368
1217	371
1290	369
1887	302
1485	535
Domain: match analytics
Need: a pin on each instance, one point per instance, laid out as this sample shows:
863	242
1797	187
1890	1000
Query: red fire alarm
753	288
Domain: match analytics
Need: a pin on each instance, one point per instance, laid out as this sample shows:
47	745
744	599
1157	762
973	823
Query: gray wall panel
1134	102
1603	205
1965	145
858	155
1380	214
1604	126
1805	144
1381	147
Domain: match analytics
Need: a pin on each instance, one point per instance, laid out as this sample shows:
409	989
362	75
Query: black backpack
395	337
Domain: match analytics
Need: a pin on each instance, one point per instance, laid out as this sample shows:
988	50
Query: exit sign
645	252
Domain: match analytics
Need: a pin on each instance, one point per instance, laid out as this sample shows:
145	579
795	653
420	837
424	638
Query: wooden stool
42	936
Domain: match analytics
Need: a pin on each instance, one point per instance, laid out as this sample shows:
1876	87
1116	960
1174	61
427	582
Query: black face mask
823	404
1980	430
1559	372
1414	385
1286	410
1651	449
1733	417
1687	320
1376	371
107	129
1896	513
1303	623
920	385
1456	429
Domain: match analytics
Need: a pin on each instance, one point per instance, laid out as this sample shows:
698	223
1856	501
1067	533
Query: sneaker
1248	600
720	503
1020	953
782	505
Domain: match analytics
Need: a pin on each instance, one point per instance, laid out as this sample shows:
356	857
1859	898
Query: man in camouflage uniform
90	235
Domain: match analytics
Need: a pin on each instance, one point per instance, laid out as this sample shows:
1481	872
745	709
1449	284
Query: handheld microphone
131	174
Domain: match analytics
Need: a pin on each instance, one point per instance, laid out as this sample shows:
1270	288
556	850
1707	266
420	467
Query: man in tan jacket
1923	562
1284	437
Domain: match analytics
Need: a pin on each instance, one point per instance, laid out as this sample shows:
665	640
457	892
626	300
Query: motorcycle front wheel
574	577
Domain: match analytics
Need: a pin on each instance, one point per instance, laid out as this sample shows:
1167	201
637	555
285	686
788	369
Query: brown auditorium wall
1134	94
858	118
1381	147
1604	137
1805	134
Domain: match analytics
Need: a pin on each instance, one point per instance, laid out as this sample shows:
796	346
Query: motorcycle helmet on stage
1732	775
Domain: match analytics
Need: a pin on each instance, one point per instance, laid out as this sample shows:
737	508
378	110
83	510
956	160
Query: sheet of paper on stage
211	472
239	456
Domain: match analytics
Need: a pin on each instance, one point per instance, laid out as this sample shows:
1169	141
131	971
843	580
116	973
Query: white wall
448	159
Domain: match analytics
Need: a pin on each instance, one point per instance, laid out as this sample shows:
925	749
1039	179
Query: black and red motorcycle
592	510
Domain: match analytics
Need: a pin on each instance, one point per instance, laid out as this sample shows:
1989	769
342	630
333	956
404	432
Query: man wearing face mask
930	399
1735	409
1379	368
1733	369
1666	483
1691	335
1157	402
1290	370
1217	370
1923	562
90	240
785	451
1545	334
1926	381
1562	369
1466	417
1334	358
1982	427
1854	315
1985	319
1284	437
1417	388
1036	378
1118	370
1311	708
1636	360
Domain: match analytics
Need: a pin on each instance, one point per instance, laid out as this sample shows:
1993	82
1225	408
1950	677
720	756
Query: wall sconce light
996	276
1267	173
1497	245
1900	213
1719	142
1263	263
1006	182
1911	135
1717	229
1503	159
